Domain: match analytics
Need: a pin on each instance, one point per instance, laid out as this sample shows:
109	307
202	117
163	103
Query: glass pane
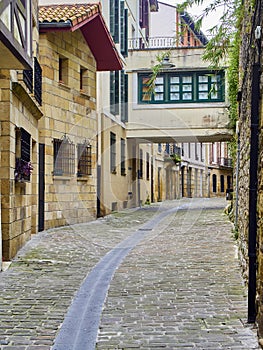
174	88
203	78
215	78
187	96
203	95
214	95
175	96
159	80
187	79
158	88
203	87
174	80
187	87
146	97
158	97
145	81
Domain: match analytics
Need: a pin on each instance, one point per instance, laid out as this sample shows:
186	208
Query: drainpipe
254	149
237	174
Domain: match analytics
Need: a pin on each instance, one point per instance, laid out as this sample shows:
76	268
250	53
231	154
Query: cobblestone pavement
179	288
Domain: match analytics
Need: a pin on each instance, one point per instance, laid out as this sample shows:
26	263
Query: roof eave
97	37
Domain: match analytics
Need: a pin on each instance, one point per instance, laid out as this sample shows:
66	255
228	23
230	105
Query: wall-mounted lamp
166	62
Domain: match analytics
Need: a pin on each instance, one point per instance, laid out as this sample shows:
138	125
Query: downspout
253	182
237	174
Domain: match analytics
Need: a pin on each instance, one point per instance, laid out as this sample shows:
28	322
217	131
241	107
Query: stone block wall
19	200
69	110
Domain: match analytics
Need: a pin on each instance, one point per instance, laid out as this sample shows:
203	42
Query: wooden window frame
215	80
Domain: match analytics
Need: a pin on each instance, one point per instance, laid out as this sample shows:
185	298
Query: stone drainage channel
80	327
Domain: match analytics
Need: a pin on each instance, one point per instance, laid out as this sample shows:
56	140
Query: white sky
195	10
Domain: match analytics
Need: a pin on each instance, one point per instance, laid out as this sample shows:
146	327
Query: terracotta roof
64	13
89	20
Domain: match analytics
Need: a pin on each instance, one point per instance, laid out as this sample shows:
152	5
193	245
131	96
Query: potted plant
23	169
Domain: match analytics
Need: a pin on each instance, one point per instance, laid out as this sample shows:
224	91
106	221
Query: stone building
248	204
20	112
74	44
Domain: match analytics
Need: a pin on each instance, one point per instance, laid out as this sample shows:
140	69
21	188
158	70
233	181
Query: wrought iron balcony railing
156	43
227	162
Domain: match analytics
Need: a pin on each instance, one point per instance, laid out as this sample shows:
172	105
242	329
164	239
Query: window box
23	170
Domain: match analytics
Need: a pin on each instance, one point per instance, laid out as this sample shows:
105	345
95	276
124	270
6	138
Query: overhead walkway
189	100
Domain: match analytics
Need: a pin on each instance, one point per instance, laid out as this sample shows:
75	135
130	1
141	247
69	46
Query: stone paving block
179	288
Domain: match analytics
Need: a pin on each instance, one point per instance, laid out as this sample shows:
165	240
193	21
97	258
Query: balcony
225	162
16	34
153	43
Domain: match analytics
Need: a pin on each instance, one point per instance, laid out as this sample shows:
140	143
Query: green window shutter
124	97
124	30
114	19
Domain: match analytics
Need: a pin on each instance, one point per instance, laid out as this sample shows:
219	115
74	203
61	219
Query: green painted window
188	87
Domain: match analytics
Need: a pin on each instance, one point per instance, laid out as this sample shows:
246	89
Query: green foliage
156	69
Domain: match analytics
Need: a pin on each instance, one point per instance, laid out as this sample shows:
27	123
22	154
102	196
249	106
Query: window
214	180
63	70
189	150
144	14
222	183
84	159
140	175
159	147
201	152
147	166
196	151
182	88
123	168
64	156
23	165
113	153
81	78
114	92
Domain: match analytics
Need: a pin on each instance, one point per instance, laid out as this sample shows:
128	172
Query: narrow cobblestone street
173	277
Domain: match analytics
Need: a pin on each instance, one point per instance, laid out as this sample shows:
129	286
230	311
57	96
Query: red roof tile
63	13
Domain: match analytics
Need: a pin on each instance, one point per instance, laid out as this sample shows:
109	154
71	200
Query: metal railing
227	162
156	43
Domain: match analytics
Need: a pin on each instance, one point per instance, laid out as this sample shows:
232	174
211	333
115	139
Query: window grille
23	165
84	159
28	79
64	156
123	168
113	153
37	81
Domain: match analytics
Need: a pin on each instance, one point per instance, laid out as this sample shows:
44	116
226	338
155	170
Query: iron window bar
64	156
84	159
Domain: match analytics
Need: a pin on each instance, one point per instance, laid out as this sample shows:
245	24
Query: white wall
163	22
